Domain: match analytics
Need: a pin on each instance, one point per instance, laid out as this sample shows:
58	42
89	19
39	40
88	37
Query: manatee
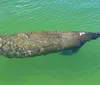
31	44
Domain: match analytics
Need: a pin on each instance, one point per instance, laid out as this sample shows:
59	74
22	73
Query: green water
81	68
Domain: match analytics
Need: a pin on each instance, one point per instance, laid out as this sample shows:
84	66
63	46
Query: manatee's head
86	36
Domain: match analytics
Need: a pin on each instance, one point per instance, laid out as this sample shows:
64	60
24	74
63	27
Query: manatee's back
29	44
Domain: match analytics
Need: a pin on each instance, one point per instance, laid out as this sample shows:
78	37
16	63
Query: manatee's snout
95	35
86	36
92	35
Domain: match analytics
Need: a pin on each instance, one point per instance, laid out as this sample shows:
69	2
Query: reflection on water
82	67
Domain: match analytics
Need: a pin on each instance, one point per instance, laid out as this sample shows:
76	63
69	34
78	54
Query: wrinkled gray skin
31	44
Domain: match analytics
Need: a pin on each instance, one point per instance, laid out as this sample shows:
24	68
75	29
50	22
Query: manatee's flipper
69	51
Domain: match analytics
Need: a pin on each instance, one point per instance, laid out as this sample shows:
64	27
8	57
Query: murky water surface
81	68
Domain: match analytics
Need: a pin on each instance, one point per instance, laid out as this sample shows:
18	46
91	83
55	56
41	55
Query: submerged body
31	44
